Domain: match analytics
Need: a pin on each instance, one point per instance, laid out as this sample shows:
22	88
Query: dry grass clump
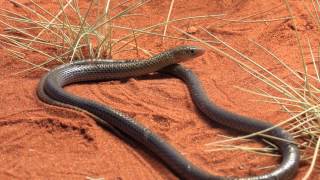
69	31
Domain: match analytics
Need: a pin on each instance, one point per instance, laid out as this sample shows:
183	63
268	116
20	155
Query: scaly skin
50	90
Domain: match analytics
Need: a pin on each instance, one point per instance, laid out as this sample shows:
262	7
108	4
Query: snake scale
50	90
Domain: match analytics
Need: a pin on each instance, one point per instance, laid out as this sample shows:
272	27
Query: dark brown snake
50	90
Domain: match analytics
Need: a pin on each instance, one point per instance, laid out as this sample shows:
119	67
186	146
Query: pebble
192	30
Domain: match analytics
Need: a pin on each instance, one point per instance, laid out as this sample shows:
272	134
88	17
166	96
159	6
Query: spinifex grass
64	36
72	32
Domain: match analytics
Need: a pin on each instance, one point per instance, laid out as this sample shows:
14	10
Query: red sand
43	142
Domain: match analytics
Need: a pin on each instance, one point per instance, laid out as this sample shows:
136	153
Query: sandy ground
38	141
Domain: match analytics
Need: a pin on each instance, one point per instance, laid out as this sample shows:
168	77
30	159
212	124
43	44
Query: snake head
184	53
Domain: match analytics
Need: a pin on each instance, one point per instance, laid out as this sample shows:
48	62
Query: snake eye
192	51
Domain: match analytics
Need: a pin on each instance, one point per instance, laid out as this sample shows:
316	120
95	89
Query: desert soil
45	142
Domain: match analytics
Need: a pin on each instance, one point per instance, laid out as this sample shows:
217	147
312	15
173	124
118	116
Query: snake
51	91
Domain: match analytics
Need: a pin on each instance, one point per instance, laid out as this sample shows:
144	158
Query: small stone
192	30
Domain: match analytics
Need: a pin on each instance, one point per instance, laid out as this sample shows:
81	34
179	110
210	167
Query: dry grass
73	32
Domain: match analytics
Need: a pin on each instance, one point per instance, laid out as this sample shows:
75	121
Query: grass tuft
72	32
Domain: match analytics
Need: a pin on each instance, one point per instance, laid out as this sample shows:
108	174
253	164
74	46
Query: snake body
50	90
